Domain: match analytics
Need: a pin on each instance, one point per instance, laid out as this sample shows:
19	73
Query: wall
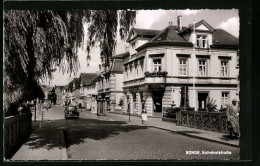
138	42
170	61
16	130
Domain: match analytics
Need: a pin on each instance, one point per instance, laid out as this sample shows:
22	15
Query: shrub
211	105
171	112
189	109
147	73
222	109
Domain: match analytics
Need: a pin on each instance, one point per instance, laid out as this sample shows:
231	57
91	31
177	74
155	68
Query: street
93	137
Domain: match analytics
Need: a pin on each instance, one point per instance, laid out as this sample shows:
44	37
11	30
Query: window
142	66
224	68
202	68
202	41
133	45
237	61
225	97
183	67
157	65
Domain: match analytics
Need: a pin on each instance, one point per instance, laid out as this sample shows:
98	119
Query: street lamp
35	110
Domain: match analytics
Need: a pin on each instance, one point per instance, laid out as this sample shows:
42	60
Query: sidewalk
193	132
45	143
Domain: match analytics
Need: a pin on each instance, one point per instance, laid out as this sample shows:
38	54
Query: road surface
93	137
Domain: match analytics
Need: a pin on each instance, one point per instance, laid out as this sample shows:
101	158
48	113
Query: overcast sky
156	19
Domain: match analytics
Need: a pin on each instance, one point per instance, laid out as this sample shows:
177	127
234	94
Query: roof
224	39
88	78
70	85
122	55
117	65
171	36
201	22
47	88
168	36
144	32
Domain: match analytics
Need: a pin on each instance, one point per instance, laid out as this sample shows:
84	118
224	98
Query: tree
103	30
36	42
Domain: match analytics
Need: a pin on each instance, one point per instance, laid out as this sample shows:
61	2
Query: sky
154	19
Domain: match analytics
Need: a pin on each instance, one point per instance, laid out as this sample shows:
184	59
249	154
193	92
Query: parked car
71	112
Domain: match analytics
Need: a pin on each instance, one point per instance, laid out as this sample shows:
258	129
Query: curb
64	155
199	137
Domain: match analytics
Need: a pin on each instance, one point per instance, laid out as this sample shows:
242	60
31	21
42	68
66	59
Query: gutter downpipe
193	51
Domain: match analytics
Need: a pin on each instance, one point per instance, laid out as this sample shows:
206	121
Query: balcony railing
135	81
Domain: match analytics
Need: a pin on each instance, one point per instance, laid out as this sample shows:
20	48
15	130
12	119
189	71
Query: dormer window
202	41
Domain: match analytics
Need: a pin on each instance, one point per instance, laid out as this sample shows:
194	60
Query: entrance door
157	99
202	99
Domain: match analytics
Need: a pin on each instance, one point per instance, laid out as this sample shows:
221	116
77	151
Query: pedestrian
233	118
144	116
20	108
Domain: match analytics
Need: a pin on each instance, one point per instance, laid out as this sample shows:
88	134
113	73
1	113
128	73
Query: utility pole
129	110
34	110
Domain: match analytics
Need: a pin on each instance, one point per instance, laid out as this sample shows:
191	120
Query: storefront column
131	103
139	103
125	103
149	103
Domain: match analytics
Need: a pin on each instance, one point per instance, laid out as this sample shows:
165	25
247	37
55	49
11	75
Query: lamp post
34	110
129	111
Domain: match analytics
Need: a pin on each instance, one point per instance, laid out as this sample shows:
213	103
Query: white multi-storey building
109	85
199	59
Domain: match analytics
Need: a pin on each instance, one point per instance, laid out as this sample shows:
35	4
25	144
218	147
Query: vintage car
71	112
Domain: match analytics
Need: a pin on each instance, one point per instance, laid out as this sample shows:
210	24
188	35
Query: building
67	93
50	94
197	61
88	91
75	95
59	94
109	85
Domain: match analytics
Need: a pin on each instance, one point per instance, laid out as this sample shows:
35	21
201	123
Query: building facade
197	61
109	85
75	95
59	94
88	91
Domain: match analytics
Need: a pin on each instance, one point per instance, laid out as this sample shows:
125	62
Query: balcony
155	77
134	82
155	80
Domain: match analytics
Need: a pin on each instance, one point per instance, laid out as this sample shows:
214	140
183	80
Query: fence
214	121
16	130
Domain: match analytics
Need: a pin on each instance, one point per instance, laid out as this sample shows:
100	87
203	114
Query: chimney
179	22
170	23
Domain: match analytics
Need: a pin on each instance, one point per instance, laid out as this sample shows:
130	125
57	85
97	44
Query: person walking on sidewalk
233	118
144	116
